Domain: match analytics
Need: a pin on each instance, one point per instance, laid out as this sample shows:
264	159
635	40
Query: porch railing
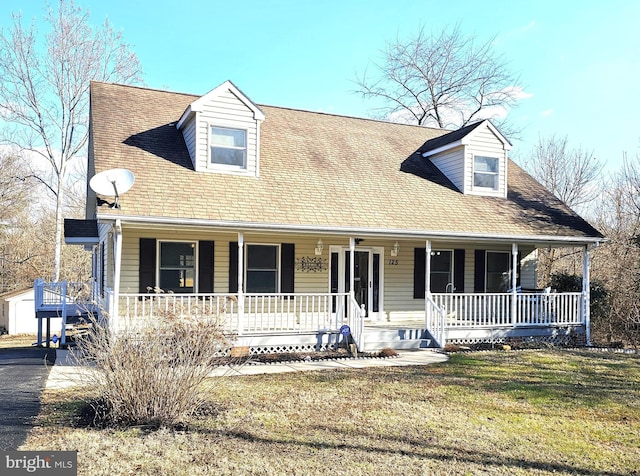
494	309
436	321
259	313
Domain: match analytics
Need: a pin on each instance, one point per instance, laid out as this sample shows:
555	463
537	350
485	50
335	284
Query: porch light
395	249
319	247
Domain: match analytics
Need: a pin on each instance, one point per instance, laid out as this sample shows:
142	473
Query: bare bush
153	374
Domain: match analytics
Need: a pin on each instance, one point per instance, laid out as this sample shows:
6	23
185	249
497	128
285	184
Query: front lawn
528	412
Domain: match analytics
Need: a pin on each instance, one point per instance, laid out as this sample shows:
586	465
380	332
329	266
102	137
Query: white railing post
514	283
427	285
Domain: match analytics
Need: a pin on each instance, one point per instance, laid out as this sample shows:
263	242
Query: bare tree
573	176
570	174
14	187
617	262
44	90
440	80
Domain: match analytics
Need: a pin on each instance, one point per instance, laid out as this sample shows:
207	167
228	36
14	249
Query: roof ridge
287	108
347	116
146	88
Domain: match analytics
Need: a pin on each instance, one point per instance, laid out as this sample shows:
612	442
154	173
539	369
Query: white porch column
514	282
586	294
352	266
117	263
240	283
427	285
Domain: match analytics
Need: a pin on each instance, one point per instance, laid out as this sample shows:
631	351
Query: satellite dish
112	183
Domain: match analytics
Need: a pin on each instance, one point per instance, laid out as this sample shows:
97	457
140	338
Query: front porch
305	322
290	322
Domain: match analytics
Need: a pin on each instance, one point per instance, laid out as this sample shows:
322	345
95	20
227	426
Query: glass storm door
366	277
361	278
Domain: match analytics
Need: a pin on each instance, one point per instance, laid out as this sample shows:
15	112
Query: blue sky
579	61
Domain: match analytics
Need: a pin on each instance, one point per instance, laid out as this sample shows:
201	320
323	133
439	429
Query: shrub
152	374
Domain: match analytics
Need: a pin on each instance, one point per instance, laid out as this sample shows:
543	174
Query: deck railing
52	295
257	313
494	309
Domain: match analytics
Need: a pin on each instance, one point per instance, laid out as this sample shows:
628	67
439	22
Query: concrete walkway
64	373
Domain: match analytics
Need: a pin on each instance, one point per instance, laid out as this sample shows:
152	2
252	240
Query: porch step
396	338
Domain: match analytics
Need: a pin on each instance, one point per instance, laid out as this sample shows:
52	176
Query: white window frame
486	269
159	268
495	174
227	167
278	247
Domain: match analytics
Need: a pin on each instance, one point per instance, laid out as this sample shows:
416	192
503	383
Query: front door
367	273
361	277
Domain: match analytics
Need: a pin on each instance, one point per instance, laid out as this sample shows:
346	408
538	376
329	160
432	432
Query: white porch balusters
586	294
514	282
240	283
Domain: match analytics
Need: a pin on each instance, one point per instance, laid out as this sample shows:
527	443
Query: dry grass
17	340
531	412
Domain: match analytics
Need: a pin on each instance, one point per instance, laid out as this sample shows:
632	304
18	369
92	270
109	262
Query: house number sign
393	262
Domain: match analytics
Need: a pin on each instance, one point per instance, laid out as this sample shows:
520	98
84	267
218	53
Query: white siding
189	134
225	110
305	282
529	269
486	143
106	265
451	164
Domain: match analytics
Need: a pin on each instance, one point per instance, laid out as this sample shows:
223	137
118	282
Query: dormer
474	158
222	132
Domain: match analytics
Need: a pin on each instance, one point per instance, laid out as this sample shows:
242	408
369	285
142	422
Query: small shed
17	312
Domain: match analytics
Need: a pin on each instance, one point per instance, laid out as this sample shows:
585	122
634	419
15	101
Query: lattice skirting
562	339
265	349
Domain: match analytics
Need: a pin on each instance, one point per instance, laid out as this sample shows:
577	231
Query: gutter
228	225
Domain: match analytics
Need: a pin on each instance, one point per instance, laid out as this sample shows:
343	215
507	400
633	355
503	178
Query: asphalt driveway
23	375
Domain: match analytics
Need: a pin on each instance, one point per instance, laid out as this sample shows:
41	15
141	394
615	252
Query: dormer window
228	147
485	172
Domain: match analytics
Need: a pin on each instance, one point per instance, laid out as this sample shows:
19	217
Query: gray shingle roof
76	231
316	170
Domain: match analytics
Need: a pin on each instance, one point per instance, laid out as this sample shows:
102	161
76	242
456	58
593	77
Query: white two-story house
291	224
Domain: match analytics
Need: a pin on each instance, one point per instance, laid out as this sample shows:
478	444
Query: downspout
115	299
514	283
240	283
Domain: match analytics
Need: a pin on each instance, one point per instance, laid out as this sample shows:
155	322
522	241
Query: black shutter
519	269
480	268
419	270
287	267
233	266
334	278
458	270
147	276
205	266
